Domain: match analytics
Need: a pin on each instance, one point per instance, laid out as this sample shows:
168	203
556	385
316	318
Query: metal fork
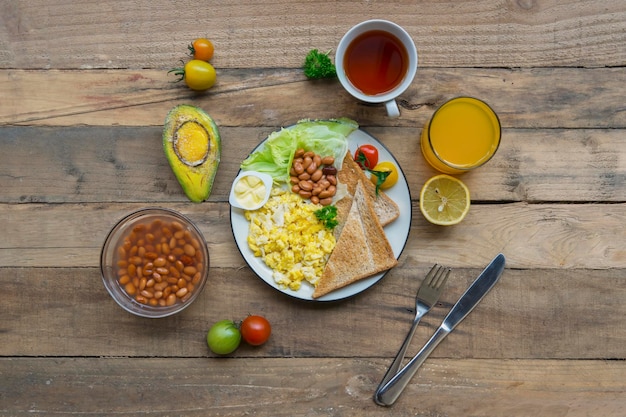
427	295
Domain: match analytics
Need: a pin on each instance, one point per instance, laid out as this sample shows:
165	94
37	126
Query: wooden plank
127	164
570	236
535	314
118	34
523	98
315	387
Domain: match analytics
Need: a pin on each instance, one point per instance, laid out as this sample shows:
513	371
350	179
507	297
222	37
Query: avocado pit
191	143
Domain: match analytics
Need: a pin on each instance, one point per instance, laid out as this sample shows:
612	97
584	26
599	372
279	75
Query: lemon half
444	200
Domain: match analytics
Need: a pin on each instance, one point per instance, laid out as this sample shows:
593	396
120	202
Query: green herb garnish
361	159
328	216
318	65
381	176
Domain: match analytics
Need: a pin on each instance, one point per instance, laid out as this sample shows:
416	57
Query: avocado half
193	148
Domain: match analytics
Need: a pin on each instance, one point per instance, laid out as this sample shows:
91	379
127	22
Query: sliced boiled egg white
250	190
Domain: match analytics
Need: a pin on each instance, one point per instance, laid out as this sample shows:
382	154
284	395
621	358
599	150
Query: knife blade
389	392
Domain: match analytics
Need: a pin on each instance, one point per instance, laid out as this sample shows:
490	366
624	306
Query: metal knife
388	393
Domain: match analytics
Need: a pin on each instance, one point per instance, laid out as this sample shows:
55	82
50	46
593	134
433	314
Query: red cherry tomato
255	330
366	156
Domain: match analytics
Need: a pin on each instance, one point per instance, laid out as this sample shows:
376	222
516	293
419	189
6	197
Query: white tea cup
376	61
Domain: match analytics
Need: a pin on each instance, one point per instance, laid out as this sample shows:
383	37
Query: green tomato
223	337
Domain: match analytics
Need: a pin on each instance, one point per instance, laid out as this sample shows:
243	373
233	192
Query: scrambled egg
291	240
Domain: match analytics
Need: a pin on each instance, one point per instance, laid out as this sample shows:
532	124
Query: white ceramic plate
397	232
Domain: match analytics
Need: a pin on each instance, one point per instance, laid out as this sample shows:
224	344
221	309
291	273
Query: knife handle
388	393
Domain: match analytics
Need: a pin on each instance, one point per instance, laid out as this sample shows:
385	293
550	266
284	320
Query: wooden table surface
84	91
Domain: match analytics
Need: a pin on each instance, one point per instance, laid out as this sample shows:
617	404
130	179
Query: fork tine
432	273
440	278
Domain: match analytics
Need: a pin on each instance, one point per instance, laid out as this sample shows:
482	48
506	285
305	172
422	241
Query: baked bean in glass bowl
154	262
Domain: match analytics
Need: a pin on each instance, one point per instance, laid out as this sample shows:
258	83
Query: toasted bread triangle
385	208
362	248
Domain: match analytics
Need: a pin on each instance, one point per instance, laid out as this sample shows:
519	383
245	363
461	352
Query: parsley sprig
318	65
328	216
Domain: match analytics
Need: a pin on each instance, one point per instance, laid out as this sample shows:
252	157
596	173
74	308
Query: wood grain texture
530	314
325	387
84	91
127	164
263	33
569	236
522	98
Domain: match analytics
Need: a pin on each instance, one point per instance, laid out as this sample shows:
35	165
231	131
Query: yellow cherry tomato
198	75
380	170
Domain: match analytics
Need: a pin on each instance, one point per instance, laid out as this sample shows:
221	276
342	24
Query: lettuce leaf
324	137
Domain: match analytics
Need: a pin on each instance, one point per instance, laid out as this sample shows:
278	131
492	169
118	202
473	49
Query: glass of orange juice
463	134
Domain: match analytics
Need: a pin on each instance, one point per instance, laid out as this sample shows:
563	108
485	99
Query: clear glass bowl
154	262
